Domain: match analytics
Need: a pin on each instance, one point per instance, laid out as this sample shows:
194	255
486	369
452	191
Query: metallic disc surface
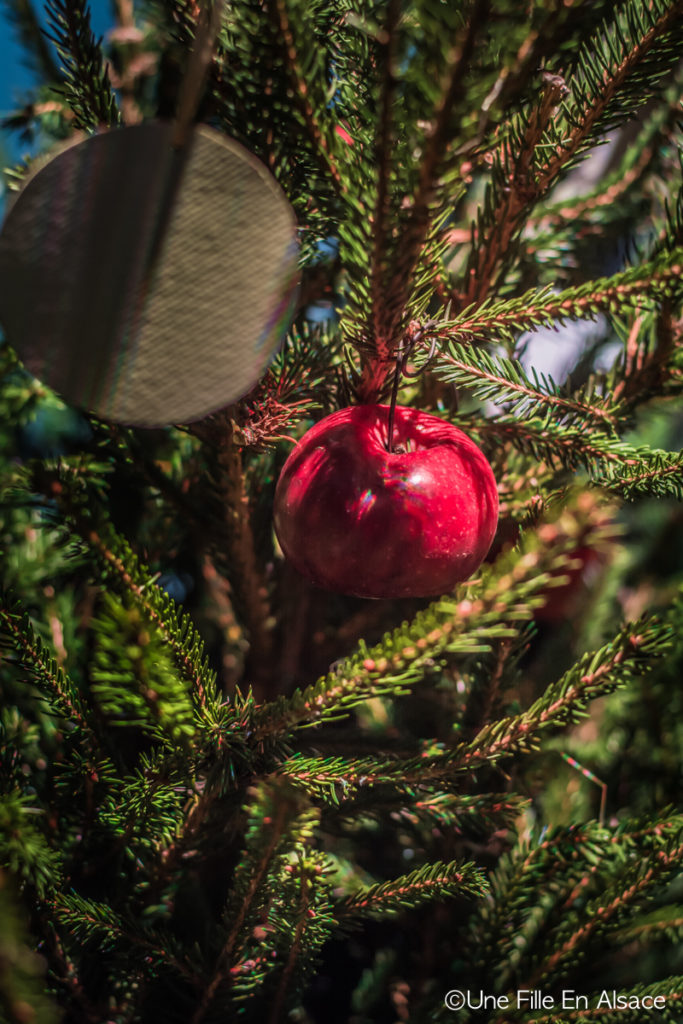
148	285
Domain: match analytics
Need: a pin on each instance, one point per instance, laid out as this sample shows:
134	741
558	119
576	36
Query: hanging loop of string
402	357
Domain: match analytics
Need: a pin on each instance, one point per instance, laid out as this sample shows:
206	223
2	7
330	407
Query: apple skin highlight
355	518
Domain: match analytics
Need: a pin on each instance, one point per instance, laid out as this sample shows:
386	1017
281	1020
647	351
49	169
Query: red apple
413	522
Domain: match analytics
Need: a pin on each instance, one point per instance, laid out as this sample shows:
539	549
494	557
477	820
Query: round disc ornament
147	282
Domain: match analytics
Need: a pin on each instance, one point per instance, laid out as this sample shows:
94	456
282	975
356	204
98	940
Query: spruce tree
227	794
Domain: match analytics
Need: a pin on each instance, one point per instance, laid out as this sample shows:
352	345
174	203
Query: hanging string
194	80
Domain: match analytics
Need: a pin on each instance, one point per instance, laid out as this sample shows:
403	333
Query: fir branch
234	547
298	894
507	922
305	901
23	847
614	61
90	922
428	77
512	181
605	202
64	971
503	381
523	43
651	364
606	69
307	87
631	652
663	925
87	86
617	901
436	881
183	844
478	615
253	93
480	812
302	378
613	464
55	686
302	911
640	286
275	816
146	812
465	814
482	699
573	865
671	233
600	200
231	762
383	163
117	561
647	833
569	867
398	282
266	833
660	474
134	682
338	779
451	90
